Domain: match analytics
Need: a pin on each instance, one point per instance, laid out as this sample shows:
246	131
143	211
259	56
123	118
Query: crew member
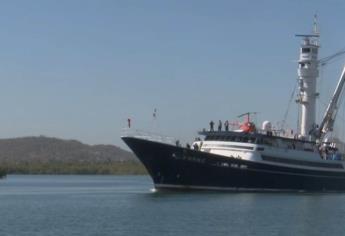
129	122
226	125
196	147
220	125
211	125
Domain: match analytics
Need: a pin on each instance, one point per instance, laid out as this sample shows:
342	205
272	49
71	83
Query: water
126	205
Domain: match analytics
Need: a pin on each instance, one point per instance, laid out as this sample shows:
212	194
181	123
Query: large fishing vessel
249	158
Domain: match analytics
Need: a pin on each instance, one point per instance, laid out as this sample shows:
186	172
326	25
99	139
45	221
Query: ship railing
276	133
279	132
147	135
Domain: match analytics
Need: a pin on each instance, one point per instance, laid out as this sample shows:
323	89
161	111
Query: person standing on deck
211	125
226	125
129	122
220	125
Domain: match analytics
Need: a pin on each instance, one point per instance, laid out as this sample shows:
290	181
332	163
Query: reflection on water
126	205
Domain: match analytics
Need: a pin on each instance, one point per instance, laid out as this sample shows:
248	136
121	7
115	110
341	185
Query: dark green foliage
2	172
44	149
43	155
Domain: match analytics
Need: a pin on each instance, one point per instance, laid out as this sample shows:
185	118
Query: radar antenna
316	26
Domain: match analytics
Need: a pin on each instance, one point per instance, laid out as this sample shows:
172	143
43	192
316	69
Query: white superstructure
307	75
299	150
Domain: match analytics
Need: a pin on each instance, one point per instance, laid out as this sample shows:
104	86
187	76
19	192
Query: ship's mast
307	75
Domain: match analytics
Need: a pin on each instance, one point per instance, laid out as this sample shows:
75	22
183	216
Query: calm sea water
126	205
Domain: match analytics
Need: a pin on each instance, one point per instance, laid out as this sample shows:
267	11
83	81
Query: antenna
316	26
315	33
248	115
307	35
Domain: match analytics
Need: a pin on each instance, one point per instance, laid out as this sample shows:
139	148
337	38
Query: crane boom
332	108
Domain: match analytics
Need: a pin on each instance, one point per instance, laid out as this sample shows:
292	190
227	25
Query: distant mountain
53	150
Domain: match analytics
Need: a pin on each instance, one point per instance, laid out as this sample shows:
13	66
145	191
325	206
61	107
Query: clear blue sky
78	69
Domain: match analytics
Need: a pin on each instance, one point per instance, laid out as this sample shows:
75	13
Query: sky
79	69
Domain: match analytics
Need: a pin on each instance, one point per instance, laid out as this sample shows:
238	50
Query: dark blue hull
177	167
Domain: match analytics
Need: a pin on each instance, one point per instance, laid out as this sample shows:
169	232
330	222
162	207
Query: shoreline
74	168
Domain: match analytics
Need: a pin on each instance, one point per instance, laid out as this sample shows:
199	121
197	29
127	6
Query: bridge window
305	50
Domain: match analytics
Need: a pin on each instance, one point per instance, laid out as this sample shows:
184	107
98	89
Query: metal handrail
147	135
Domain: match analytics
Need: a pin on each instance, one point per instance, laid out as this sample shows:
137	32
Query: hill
45	155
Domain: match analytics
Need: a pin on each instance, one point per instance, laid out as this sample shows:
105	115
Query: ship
251	158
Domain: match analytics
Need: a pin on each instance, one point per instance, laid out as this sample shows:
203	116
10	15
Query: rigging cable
320	84
289	105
